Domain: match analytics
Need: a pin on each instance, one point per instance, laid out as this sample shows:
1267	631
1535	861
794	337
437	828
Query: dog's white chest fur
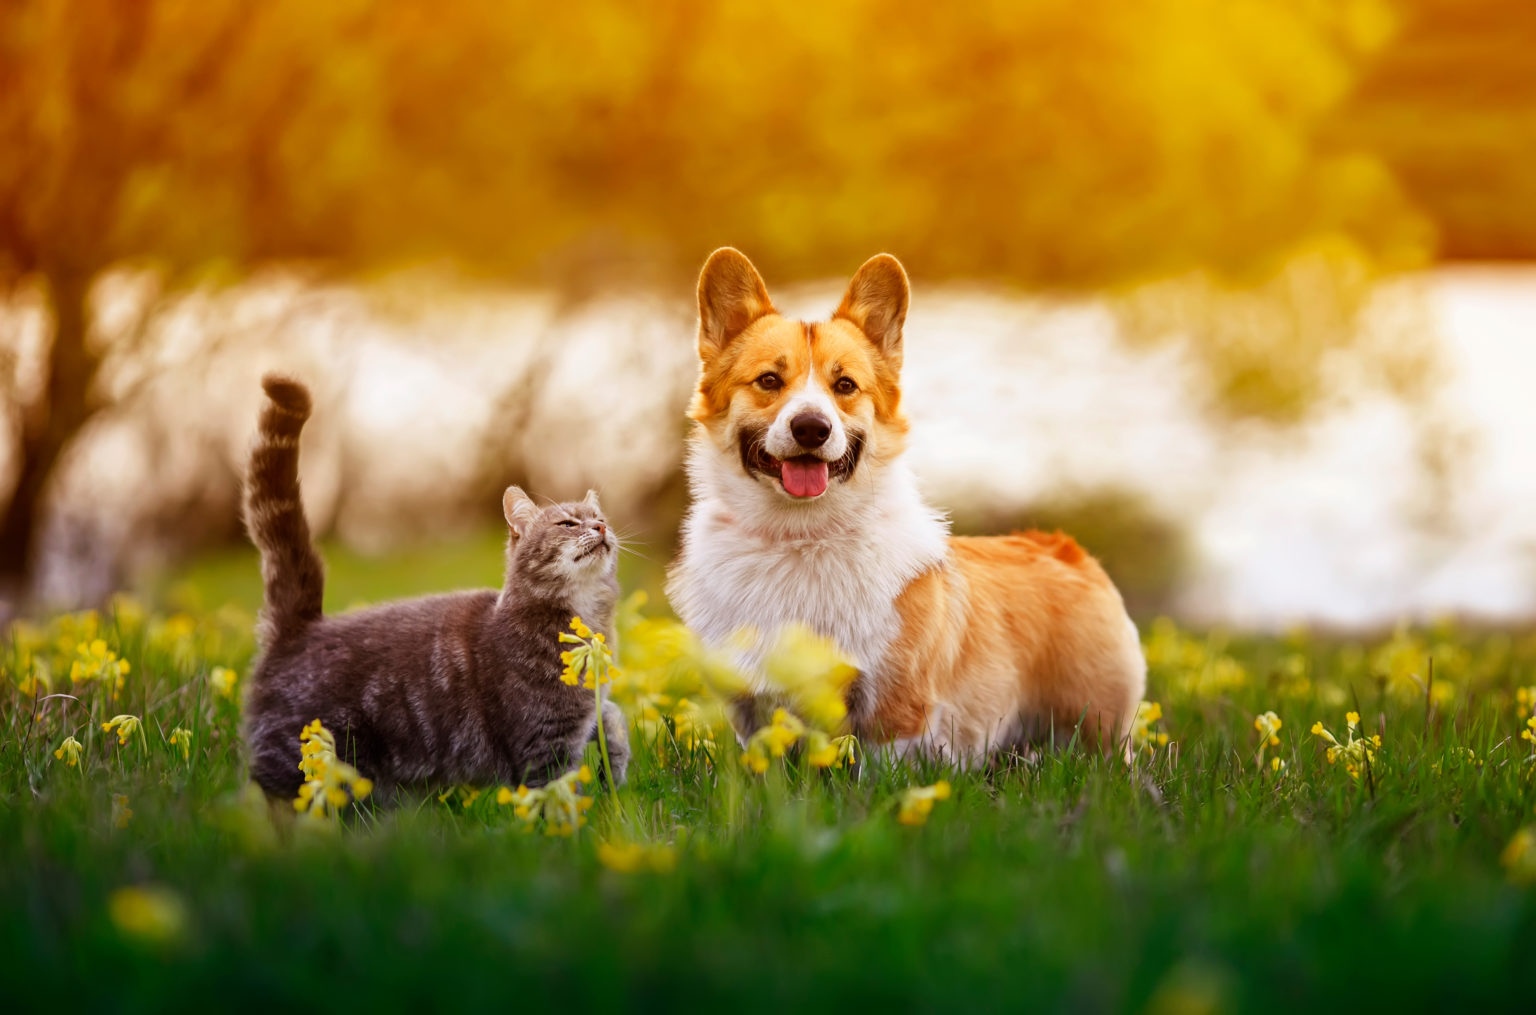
748	562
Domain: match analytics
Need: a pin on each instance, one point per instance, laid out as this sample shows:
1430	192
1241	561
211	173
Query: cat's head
561	545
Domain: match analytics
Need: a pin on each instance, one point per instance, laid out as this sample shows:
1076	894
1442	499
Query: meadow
1309	820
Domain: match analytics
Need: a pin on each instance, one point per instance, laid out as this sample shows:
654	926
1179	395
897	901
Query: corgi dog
803	511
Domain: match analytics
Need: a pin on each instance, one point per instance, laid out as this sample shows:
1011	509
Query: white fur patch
837	564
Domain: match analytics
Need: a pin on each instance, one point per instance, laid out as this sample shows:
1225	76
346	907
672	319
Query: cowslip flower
590	663
36	682
69	752
181	737
125	726
824	752
149	913
1519	857
1143	737
223	680
1355	750
1525	699
633	857
121	812
97	662
772	741
917	802
811	674
560	804
1268	726
329	783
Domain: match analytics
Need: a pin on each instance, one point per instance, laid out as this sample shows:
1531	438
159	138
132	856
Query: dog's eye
845	386
770	381
570	523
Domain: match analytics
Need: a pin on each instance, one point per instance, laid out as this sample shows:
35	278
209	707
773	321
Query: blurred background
1241	292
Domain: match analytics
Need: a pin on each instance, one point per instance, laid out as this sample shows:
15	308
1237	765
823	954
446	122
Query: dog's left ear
876	303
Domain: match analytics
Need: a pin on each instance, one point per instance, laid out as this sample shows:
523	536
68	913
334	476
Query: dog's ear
876	303
519	509
731	297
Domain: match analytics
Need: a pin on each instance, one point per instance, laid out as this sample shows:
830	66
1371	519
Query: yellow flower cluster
559	804
329	782
150	913
1356	750
69	752
181	737
121	812
1268	725
35	680
633	857
1143	736
97	662
1189	666
590	663
1525	700
917	802
772	741
125	726
223	680
1529	733
1519	857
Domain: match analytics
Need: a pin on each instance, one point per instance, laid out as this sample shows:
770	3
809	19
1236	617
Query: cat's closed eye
569	523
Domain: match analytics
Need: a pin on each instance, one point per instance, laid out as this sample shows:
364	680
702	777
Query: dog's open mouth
804	476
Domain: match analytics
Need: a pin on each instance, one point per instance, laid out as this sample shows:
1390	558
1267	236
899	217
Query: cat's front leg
616	733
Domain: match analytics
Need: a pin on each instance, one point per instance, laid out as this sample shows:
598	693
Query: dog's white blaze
836	565
809	397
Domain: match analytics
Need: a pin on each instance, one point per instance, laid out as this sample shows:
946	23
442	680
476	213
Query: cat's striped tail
291	570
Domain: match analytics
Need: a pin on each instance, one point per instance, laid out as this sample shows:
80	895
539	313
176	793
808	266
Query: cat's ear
590	500
519	509
876	304
731	296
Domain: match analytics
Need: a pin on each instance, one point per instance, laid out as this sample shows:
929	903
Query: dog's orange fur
1026	625
1004	640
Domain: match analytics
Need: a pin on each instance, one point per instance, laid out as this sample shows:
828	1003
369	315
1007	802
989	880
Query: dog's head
803	410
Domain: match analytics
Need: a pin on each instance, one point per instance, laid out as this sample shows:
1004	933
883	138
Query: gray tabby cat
443	690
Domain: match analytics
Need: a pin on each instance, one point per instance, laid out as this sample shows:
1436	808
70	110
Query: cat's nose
602	530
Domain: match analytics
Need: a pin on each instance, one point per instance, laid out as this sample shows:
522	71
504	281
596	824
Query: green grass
1197	881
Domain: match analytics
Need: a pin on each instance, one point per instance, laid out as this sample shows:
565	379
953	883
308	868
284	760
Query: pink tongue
805	479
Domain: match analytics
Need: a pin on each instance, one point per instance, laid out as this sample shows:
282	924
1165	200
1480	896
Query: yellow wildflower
1519	857
69	752
121	812
37	681
590	663
1355	751
1529	733
97	662
812	674
329	783
182	737
125	727
1525	699
1268	725
560	804
631	857
149	913
824	752
1276	765
223	680
772	741
1143	737
917	802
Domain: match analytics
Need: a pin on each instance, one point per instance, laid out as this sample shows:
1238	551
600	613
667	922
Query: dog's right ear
519	509
731	297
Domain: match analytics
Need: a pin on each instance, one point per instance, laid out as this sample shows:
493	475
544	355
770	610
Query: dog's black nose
811	429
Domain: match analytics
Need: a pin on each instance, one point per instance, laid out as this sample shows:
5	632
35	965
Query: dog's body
804	512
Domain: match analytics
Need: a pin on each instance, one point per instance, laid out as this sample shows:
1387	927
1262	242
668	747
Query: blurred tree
1047	143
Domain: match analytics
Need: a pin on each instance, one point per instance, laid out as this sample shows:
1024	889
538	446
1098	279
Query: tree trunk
47	428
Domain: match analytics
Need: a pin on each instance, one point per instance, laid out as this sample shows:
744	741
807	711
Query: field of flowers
1308	820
